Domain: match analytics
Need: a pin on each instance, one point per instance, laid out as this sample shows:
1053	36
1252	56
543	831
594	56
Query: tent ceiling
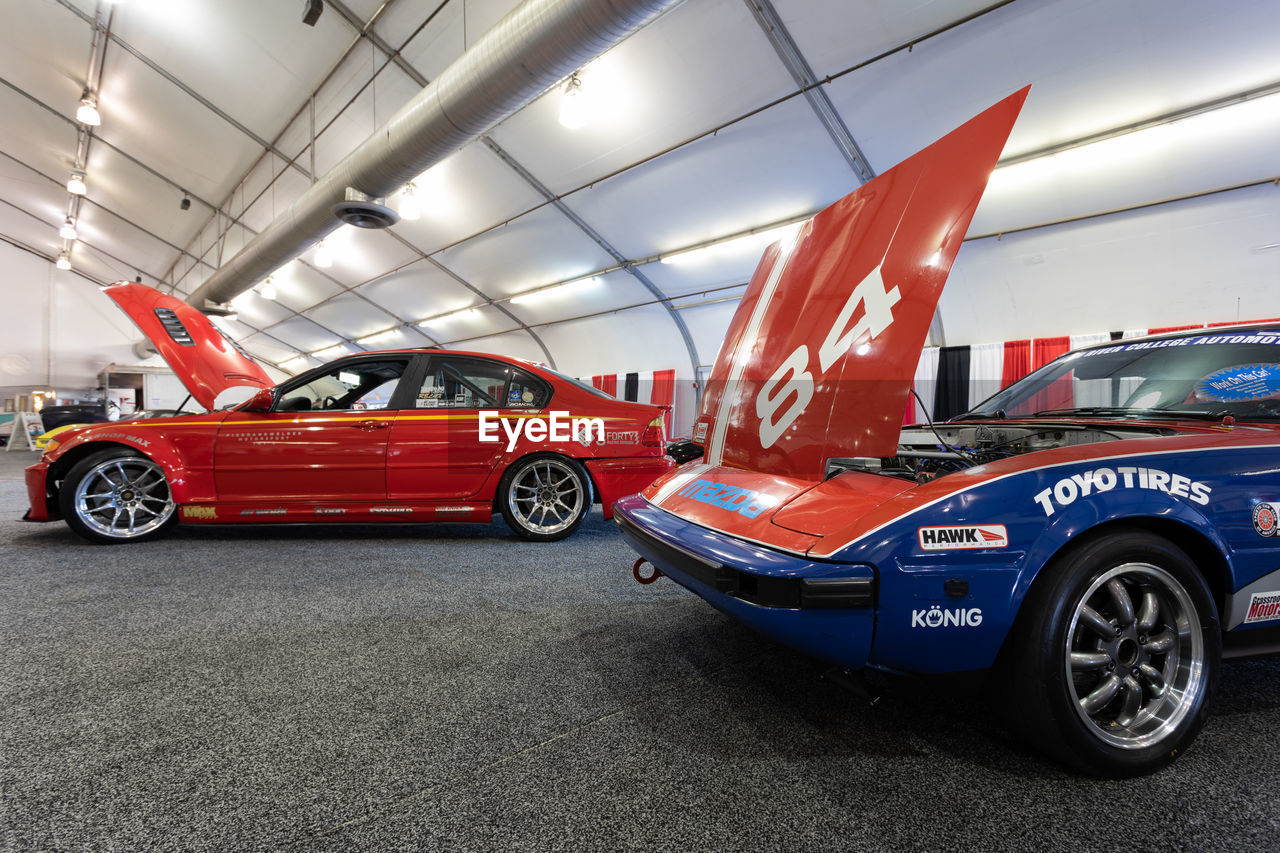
218	100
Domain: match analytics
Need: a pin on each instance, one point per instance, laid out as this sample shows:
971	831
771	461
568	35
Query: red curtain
1164	329
608	383
1017	362
598	382
1237	322
664	394
1045	350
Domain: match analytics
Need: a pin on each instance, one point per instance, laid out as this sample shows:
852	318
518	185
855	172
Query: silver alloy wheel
546	496
124	498
1135	655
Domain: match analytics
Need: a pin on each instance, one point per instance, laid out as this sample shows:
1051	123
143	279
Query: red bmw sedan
396	436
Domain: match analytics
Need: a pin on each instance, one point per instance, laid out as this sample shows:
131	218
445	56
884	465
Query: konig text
557	428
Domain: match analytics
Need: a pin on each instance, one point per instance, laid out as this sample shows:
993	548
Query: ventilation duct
536	45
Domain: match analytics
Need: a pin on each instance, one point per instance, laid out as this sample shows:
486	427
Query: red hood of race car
820	355
204	359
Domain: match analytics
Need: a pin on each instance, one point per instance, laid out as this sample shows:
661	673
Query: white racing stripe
715	448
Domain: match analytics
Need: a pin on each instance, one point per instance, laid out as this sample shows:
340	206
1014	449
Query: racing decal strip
1098	459
715	448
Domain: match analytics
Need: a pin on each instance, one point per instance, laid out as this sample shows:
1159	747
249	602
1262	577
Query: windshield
1201	376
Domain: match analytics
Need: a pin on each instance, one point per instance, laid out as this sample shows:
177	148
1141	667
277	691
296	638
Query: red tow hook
645	579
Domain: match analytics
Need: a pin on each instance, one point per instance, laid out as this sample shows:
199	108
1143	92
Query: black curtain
631	388
951	397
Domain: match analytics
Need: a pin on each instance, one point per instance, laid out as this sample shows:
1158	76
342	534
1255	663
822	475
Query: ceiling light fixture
369	339
573	104
409	207
76	184
87	112
323	257
555	290
330	352
268	289
68	229
63	262
743	245
296	362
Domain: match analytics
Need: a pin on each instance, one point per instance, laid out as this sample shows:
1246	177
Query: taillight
655	433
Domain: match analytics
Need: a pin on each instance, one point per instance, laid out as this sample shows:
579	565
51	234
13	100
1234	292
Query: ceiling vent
360	210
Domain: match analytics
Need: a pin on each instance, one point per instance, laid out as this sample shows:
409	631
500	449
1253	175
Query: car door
435	452
325	438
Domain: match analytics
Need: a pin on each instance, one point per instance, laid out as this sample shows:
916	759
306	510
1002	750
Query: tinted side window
471	383
358	386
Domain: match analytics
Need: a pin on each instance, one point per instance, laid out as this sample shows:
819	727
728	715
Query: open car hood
206	360
821	353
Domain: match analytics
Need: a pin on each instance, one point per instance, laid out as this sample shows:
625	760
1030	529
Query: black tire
116	496
544	497
1115	655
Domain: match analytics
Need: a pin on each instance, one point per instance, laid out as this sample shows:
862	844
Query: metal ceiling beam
531	48
789	52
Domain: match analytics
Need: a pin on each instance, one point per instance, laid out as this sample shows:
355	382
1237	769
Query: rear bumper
821	608
36	478
615	478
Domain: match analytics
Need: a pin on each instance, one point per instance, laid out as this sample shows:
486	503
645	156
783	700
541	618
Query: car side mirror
259	402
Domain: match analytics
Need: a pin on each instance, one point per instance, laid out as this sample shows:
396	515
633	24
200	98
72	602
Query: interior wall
61	329
1204	260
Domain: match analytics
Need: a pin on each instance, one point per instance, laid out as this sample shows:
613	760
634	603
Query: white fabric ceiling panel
774	166
299	286
708	325
266	348
33	233
541	248
433	48
25	135
151	118
591	346
463	326
304	335
257	183
708	271
46	54
514	344
1094	65
418	291
603	293
139	252
699	65
250	56
233	326
1217	261
285	191
390	90
1194	155
835	34
351	316
463	195
40	203
360	255
260	312
116	182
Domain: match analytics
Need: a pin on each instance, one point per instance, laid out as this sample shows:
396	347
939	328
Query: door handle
369	426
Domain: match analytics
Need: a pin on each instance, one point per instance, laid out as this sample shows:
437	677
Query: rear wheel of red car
1115	655
117	496
544	497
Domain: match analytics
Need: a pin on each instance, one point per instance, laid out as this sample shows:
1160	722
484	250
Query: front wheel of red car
1116	654
117	496
544	497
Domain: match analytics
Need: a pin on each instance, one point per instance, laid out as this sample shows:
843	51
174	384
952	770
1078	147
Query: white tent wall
61	329
1210	259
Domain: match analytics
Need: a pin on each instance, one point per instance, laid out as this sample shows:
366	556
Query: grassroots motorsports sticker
1263	607
1240	384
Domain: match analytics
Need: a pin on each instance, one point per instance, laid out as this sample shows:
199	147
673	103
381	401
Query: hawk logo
957	537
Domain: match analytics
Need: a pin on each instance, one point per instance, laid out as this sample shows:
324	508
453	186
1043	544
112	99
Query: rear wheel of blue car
544	497
1115	655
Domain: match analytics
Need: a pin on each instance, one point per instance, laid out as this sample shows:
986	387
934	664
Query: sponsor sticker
952	617
1067	490
391	510
1240	384
1263	607
734	499
206	513
452	509
330	510
273	511
700	432
1266	518
954	537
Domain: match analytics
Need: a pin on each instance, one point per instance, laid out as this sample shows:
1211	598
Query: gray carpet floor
449	687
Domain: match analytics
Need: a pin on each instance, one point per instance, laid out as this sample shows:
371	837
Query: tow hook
645	579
